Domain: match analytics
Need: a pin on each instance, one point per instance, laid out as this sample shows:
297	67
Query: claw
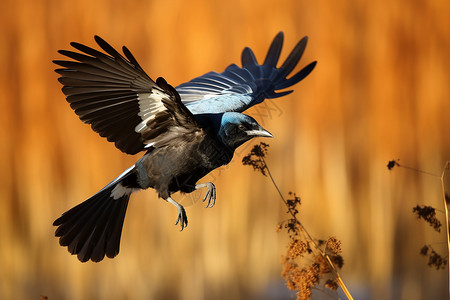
182	217
210	193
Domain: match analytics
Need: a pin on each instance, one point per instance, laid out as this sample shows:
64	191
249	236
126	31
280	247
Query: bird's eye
241	127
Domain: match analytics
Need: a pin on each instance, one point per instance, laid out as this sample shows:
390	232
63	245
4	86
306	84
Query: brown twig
323	254
444	196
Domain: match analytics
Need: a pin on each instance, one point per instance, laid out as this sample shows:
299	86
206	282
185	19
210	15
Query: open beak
259	132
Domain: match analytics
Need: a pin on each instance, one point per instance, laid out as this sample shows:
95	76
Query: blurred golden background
380	91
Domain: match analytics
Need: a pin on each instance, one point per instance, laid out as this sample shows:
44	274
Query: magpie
185	132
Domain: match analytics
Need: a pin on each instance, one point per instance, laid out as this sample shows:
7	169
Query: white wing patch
219	103
149	105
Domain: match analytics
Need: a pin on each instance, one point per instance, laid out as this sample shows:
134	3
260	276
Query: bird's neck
212	123
209	121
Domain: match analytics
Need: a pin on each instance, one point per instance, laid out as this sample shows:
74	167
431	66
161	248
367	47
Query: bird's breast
160	167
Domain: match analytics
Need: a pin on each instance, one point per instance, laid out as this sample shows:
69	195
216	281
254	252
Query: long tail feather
93	228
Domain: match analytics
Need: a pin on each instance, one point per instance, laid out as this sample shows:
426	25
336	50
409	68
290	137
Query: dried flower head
308	263
338	261
290	272
293	204
324	267
309	277
428	214
331	284
333	246
297	248
256	158
392	163
434	259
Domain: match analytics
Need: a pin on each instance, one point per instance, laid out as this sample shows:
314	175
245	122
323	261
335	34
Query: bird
184	132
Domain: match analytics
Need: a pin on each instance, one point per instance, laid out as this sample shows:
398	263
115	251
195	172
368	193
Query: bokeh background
380	91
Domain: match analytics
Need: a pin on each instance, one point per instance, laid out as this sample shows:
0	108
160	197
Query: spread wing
237	89
119	100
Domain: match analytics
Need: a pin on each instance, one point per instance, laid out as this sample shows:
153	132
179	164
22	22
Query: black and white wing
119	100
237	89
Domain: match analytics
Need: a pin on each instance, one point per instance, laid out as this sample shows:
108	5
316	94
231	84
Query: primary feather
237	89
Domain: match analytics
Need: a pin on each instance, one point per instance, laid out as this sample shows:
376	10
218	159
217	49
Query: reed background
380	91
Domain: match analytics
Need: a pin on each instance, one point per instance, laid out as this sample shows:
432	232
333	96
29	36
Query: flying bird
185	132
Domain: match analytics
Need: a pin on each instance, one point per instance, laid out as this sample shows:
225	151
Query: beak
259	132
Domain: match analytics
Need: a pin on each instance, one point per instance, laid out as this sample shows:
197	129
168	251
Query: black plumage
210	93
183	143
93	228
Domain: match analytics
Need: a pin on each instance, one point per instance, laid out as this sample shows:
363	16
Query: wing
173	125
237	89
118	99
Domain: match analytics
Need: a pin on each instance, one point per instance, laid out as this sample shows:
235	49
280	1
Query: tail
93	228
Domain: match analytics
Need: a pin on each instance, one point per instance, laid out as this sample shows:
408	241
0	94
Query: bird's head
236	129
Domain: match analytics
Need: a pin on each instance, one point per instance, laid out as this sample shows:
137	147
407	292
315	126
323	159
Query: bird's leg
210	193
182	218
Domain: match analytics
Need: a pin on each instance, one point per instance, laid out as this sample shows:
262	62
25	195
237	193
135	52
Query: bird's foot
182	217
210	193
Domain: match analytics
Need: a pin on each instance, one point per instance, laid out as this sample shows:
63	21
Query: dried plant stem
338	278
444	196
418	170
274	183
327	258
